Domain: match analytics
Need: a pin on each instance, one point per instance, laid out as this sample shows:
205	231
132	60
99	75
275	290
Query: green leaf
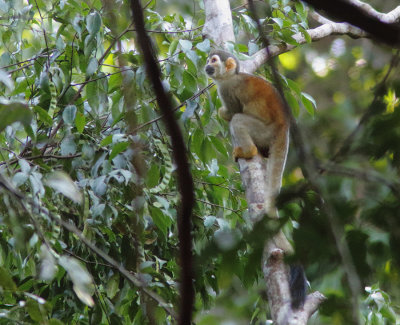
11	112
63	183
6	282
196	141
69	114
106	141
118	148
43	115
293	103
48	266
204	46
68	146
91	67
309	103
287	37
80	121
173	46
20	179
80	277
185	45
306	35
112	286
34	311
93	22
294	86
209	221
189	81
278	21
92	94
301	9
161	220
153	176
6	80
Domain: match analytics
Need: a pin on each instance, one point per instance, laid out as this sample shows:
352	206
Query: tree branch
362	15
185	181
309	169
328	28
218	26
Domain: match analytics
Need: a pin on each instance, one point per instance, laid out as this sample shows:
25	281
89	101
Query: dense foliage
82	141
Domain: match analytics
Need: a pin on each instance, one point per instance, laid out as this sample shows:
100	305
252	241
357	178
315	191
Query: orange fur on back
268	105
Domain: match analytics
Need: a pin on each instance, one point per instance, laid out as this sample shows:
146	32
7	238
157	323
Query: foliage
81	140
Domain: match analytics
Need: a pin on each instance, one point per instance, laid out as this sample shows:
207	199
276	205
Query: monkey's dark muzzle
210	70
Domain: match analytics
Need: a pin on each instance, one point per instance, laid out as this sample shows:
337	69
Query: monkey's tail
298	285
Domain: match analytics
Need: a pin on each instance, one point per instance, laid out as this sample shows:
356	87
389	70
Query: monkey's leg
248	132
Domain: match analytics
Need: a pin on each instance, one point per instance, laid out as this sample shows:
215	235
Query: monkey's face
218	69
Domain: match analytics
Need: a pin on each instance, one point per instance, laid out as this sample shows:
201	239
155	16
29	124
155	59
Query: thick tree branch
328	28
185	181
363	16
218	26
275	275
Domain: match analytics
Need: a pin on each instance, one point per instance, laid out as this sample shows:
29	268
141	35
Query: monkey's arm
225	114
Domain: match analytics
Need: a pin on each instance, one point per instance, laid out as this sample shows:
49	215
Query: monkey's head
221	65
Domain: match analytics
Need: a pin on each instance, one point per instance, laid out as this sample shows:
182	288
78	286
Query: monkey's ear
230	64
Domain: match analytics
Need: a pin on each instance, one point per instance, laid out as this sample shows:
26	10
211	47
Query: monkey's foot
238	152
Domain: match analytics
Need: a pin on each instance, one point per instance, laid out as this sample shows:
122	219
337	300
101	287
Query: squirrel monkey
258	124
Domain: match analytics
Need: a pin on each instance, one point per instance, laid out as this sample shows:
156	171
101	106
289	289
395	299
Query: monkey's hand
225	114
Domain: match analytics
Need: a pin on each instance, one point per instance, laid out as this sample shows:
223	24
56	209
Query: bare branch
391	17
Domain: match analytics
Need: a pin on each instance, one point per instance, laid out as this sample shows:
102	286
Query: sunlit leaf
204	46
68	146
48	266
6	80
62	183
309	103
92	67
93	22
185	45
69	114
80	277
